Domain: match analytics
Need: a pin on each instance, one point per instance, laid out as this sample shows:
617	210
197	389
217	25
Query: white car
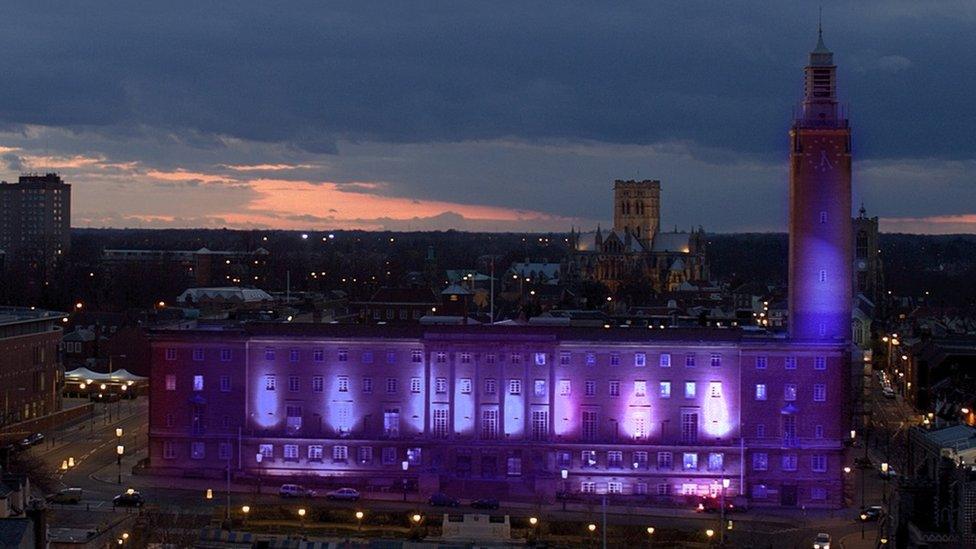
344	494
295	491
822	541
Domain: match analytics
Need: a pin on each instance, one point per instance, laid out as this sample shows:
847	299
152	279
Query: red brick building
30	364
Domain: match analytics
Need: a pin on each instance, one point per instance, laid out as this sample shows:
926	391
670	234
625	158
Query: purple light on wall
266	405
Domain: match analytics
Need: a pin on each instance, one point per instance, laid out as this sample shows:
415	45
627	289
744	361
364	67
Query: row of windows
788	462
714	461
790	391
789	362
294	355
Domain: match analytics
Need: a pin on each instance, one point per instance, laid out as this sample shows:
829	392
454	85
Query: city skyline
433	121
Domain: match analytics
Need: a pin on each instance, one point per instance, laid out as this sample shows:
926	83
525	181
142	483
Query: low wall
43	423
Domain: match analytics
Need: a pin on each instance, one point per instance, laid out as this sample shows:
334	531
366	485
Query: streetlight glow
591	527
533	521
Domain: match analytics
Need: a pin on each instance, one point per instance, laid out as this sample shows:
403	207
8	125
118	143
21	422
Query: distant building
398	305
867	258
203	267
635	251
225	299
35	222
30	365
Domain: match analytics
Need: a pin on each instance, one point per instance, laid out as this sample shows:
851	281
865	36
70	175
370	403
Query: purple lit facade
528	412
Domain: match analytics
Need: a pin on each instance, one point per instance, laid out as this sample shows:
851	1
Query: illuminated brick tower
820	208
637	209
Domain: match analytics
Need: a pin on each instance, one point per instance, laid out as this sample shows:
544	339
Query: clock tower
820	208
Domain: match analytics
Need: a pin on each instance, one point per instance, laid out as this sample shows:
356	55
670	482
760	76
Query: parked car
66	495
871	513
822	541
713	505
295	491
888	392
129	498
485	503
890	474
443	500
343	494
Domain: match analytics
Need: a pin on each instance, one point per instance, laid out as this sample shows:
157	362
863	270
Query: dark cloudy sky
477	115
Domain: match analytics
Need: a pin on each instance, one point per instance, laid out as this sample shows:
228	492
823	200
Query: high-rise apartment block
35	221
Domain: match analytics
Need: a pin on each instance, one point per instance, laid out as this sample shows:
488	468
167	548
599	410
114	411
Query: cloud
894	63
13	162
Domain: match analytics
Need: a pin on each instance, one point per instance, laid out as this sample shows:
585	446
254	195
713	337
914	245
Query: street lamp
258	457
359	521
245	509
404	465
209	495
118	432
884	494
709	534
533	521
650	536
725	484
119	450
71	461
565	475
301	518
864	519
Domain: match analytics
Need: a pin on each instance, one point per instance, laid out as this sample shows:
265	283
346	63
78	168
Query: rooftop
16	315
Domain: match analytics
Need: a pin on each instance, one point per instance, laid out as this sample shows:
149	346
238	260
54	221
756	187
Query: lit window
716	461
615	488
315	452
588	458
540	359
640	388
564	387
664	389
689	461
789	392
760	391
291	452
760	461
715	389
340	454
665	360
266	451
465	385
539	387
640	360
588	487
690	389
170	382
590	359
198	383
789	462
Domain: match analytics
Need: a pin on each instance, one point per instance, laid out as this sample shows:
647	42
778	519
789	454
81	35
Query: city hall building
529	412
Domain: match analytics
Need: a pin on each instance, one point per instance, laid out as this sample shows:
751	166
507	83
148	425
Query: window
564	387
293	355
291	452
170	382
270	383
591	359
789	462
197	450
516	358
539	387
689	461
465	358
440	357
269	353
818	463
540	425
266	451
489	424
614	388
759	491
820	363
615	459
820	392
367	385
640	460
588	458
640	489
640	388
440	423
225	384
540	359
342	384
365	455
760	363
823	217
294	384
588	487
391	385
615	359
170	354
589	388
665	360
169	449
198	355
640	360
664	389
293	414
564	358
715	360
490	358
315	452
197	383
760	430
715	389
615	488
223	451
716	461
318	384
663	489
823	275
340	454
515	386
689	361
416	356
490	386
591	426
440	385
415	384
690	389
818	493
818	431
689	426
391	357
789	392
760	461
391	422
389	456
318	355
169	420
342	355
414	456
790	363
366	357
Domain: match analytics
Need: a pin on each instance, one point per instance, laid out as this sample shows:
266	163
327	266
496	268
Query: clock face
861	264
824	164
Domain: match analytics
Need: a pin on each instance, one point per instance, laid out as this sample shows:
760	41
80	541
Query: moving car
32	440
66	495
485	503
443	500
129	498
295	491
343	494
822	541
871	513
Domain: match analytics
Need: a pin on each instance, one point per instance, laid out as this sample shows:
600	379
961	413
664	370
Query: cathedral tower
820	208
637	209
